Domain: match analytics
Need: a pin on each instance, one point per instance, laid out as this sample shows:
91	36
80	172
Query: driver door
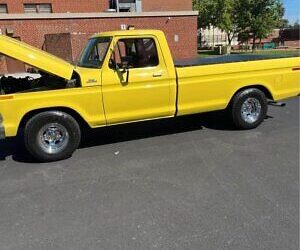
142	90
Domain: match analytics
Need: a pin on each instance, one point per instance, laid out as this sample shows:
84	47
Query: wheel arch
261	87
81	121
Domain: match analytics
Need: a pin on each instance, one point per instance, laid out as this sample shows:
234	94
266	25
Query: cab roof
131	32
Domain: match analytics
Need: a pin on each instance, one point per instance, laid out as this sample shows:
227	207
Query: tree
207	12
258	18
249	18
284	24
227	19
218	13
296	25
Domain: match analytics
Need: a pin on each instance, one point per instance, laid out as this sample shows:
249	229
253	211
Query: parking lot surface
187	183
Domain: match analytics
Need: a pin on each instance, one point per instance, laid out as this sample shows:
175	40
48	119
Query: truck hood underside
35	57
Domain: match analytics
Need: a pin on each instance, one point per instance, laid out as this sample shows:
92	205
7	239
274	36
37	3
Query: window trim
5	7
37	8
88	49
136	38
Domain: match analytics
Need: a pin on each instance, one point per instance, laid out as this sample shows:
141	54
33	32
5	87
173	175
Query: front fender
87	102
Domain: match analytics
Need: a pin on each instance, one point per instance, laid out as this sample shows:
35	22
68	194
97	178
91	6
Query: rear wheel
249	108
52	136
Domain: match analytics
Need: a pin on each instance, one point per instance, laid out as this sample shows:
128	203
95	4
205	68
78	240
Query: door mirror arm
127	75
125	70
121	70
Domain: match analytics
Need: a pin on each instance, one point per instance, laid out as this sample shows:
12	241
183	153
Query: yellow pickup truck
129	76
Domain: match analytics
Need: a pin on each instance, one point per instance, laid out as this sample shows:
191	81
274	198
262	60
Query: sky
292	10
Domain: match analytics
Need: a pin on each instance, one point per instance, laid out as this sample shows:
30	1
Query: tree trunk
228	46
253	43
228	49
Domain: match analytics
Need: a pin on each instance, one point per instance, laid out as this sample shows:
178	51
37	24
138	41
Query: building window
126	5
3	9
38	8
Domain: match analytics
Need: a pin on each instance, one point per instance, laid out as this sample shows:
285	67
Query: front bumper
2	129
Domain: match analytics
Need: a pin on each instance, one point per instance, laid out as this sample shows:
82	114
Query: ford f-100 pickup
128	76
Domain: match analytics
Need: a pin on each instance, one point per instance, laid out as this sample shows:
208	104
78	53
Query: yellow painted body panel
211	87
35	57
87	102
89	77
104	99
144	96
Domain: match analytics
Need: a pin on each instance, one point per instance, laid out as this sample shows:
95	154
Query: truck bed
229	59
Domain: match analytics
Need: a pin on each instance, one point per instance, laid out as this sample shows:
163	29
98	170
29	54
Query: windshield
94	53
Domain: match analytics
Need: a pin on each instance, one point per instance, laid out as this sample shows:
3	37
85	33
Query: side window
94	53
98	53
147	53
120	52
138	53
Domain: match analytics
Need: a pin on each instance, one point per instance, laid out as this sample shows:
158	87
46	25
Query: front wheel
52	136
249	108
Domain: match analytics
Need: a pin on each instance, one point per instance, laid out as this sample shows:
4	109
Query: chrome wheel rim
251	110
53	138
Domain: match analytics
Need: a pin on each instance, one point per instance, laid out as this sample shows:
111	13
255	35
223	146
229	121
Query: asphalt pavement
187	183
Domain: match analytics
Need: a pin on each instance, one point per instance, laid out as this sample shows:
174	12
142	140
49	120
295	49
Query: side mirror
126	62
112	64
123	67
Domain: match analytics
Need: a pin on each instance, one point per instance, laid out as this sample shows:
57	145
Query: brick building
63	27
290	38
280	38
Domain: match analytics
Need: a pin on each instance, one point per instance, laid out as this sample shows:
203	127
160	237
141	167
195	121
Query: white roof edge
96	15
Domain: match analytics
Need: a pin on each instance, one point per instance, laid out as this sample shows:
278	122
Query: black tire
255	99
52	136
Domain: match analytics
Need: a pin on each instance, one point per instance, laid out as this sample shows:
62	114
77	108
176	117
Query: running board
277	104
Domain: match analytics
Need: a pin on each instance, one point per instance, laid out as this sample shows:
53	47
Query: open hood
35	57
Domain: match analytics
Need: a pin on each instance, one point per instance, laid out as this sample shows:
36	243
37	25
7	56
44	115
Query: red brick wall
166	5
60	6
34	31
59	45
292	44
3	68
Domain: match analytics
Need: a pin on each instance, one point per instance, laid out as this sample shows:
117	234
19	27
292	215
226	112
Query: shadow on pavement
142	130
128	132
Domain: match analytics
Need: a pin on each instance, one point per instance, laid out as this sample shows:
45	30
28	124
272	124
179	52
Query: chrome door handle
157	74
